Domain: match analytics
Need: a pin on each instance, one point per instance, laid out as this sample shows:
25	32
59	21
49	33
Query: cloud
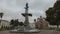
12	9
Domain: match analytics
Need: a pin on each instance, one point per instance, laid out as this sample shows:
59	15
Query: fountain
26	27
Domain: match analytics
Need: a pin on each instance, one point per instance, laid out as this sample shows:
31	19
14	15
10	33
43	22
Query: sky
12	9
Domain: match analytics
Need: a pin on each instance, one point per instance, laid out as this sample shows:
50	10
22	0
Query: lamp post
1	15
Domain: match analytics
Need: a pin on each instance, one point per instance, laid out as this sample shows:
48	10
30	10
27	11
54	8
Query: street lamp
1	15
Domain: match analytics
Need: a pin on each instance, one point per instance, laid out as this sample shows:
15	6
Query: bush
4	28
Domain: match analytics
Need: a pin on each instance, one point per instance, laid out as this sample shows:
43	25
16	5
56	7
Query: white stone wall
4	23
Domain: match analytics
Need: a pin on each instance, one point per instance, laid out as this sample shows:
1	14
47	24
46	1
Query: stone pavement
41	32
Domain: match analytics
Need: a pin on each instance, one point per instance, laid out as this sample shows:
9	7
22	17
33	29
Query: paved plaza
41	32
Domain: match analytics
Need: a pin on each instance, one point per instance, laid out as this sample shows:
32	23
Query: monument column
26	14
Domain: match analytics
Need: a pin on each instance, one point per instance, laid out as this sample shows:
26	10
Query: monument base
24	29
31	31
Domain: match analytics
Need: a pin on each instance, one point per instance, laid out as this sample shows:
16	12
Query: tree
21	23
16	23
53	14
12	22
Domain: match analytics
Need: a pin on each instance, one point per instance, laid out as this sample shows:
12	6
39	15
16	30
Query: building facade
4	23
41	23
